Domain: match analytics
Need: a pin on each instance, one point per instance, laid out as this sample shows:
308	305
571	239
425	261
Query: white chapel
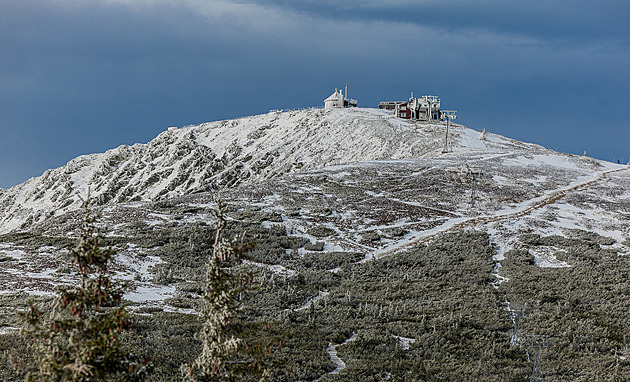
339	100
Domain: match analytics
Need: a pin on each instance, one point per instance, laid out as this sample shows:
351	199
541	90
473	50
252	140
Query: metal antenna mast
448	114
537	342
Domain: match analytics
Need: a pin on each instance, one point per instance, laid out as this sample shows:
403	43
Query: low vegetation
584	308
428	314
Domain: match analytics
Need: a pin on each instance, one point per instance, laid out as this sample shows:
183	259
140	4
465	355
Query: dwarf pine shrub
79	340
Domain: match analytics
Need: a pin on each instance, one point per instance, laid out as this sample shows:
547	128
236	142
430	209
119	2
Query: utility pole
474	174
448	114
537	342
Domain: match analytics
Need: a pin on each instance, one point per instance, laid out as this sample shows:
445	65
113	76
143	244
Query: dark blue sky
83	76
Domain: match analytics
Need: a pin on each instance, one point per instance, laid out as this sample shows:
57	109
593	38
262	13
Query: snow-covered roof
334	96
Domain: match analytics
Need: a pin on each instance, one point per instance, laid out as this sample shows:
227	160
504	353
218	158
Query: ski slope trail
527	209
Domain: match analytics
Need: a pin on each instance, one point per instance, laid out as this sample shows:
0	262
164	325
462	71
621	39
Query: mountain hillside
216	155
380	254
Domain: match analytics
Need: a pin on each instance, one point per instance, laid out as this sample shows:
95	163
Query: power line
537	342
516	312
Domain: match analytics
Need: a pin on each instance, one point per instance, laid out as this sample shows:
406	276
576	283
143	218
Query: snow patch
405	343
275	268
146	293
8	329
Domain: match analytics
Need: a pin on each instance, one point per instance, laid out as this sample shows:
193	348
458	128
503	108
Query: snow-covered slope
352	211
222	154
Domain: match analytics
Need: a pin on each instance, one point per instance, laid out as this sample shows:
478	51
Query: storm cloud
83	76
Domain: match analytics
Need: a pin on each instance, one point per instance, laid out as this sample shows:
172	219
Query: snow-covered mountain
222	154
366	219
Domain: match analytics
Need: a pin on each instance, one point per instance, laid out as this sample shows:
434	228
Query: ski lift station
425	108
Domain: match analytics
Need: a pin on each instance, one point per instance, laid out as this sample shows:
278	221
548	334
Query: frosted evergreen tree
79	341
226	355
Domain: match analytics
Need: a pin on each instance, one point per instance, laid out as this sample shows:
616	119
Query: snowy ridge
224	154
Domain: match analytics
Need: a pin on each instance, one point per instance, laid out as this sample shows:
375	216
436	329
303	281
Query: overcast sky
84	76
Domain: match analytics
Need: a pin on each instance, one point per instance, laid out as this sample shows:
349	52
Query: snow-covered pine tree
226	354
79	340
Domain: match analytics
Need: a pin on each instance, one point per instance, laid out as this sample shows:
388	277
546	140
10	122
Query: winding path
538	203
332	352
